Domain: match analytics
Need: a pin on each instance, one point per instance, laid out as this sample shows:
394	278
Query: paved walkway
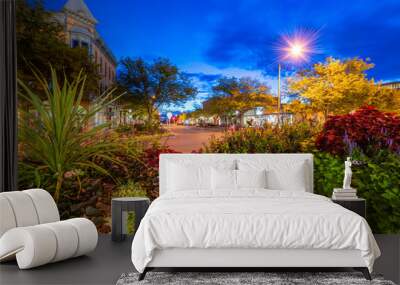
189	138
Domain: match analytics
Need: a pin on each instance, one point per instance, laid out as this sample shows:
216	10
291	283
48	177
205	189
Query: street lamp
295	49
169	116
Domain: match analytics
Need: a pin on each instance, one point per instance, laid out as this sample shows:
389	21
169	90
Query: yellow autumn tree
301	110
385	99
335	86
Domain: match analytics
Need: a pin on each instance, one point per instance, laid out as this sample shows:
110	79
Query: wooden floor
110	260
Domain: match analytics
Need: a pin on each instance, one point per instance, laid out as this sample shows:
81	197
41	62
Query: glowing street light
297	47
296	51
169	116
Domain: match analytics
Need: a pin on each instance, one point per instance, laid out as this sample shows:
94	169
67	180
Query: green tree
41	43
334	87
155	84
218	105
239	95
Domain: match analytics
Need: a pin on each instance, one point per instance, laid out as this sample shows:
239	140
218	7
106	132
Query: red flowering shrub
151	156
147	172
368	129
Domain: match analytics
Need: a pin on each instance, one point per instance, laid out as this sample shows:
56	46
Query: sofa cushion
45	206
7	220
23	208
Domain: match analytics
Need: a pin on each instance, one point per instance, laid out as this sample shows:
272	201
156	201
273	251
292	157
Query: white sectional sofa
31	230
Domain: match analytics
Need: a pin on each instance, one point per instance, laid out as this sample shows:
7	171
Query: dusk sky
211	38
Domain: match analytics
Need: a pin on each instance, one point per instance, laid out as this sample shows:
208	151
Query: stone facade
80	31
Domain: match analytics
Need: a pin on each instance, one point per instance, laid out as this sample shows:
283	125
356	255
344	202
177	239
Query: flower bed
367	129
367	135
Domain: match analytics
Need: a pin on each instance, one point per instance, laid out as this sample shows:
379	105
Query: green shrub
124	129
141	127
154	128
272	139
130	189
328	173
377	180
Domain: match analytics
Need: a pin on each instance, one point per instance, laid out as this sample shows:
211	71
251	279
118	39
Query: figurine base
351	190
344	194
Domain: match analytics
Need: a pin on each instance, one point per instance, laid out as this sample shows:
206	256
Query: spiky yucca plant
54	134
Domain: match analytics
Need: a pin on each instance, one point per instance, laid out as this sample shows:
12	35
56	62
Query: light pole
279	92
169	116
295	50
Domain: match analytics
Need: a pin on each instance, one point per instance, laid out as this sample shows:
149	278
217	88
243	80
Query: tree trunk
241	119
149	116
326	114
57	193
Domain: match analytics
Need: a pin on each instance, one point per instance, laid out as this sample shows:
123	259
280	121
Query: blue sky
211	38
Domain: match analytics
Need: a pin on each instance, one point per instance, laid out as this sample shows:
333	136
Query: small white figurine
347	174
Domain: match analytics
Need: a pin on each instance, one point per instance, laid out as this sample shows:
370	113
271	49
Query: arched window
74	43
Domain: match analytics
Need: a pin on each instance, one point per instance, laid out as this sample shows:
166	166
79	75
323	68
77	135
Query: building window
84	45
75	43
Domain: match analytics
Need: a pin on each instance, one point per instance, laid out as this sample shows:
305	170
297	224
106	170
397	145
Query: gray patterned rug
243	278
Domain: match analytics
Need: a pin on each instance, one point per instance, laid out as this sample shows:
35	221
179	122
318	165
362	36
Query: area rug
244	278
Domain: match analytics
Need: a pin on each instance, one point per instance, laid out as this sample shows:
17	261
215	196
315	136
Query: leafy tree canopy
233	94
151	85
339	87
41	43
385	99
301	110
218	106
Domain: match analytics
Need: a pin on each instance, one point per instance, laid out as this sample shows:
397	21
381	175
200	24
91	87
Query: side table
357	205
119	209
